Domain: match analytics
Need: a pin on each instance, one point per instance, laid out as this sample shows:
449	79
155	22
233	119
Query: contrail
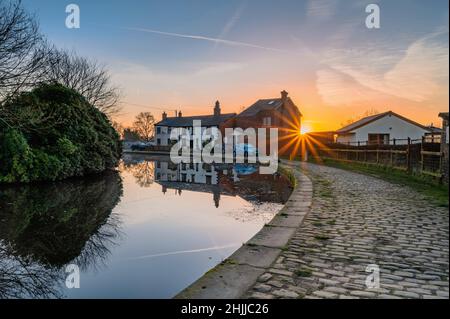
203	38
234	19
186	251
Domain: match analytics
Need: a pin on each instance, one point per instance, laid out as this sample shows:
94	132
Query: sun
305	129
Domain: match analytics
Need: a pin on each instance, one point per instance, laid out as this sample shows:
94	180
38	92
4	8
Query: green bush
52	133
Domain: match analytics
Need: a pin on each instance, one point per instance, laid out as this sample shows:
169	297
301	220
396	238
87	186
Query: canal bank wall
233	277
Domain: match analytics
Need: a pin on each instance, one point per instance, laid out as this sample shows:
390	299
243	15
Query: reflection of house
281	113
199	173
194	177
221	180
381	129
165	127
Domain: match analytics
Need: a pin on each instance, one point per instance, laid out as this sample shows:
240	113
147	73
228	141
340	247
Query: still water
146	231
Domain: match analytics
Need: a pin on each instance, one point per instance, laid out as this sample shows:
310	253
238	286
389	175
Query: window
158	130
158	141
267	121
378	139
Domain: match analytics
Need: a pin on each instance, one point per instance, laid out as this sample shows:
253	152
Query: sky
186	54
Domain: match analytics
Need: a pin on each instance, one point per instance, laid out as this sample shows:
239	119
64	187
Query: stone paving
358	220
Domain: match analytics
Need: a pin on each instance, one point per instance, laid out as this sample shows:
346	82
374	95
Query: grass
303	272
321	237
289	174
429	187
325	193
317	224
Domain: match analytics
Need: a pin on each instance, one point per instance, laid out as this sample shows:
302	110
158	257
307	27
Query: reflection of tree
22	277
143	172
45	227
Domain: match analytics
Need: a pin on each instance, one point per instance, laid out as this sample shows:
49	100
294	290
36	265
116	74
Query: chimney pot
164	116
180	114
217	109
284	95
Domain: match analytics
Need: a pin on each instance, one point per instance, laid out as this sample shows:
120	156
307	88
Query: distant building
444	146
164	128
382	129
321	137
281	113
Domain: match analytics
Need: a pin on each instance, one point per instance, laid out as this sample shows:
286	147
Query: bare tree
27	60
85	76
144	125
119	128
22	49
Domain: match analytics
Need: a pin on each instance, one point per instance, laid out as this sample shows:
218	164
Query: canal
146	231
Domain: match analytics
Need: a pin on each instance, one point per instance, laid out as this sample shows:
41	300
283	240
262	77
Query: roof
434	129
367	120
262	105
187	121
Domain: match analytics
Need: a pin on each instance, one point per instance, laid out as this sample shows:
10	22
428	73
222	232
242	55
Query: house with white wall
382	129
164	128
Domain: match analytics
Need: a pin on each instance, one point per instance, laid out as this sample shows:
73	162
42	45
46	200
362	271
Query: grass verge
429	187
289	174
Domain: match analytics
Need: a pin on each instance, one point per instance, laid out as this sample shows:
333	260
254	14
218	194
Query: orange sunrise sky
185	55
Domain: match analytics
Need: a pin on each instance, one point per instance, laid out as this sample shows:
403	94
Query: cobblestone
356	220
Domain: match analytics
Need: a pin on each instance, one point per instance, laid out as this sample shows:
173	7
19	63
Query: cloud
219	68
417	74
321	9
209	39
336	88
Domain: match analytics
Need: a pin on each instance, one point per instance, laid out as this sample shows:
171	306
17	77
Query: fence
421	156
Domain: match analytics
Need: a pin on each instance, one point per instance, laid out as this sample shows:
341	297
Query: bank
233	277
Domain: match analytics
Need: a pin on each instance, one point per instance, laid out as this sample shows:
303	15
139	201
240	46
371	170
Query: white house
165	127
382	128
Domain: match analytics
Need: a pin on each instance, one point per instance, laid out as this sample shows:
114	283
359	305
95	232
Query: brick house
281	113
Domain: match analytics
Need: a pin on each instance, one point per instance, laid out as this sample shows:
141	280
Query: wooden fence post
392	157
408	156
422	164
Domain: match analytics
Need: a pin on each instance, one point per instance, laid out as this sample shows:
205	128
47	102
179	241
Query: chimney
180	114
217	109
164	116
284	95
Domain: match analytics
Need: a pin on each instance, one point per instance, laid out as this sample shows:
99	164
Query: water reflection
241	180
169	215
45	227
